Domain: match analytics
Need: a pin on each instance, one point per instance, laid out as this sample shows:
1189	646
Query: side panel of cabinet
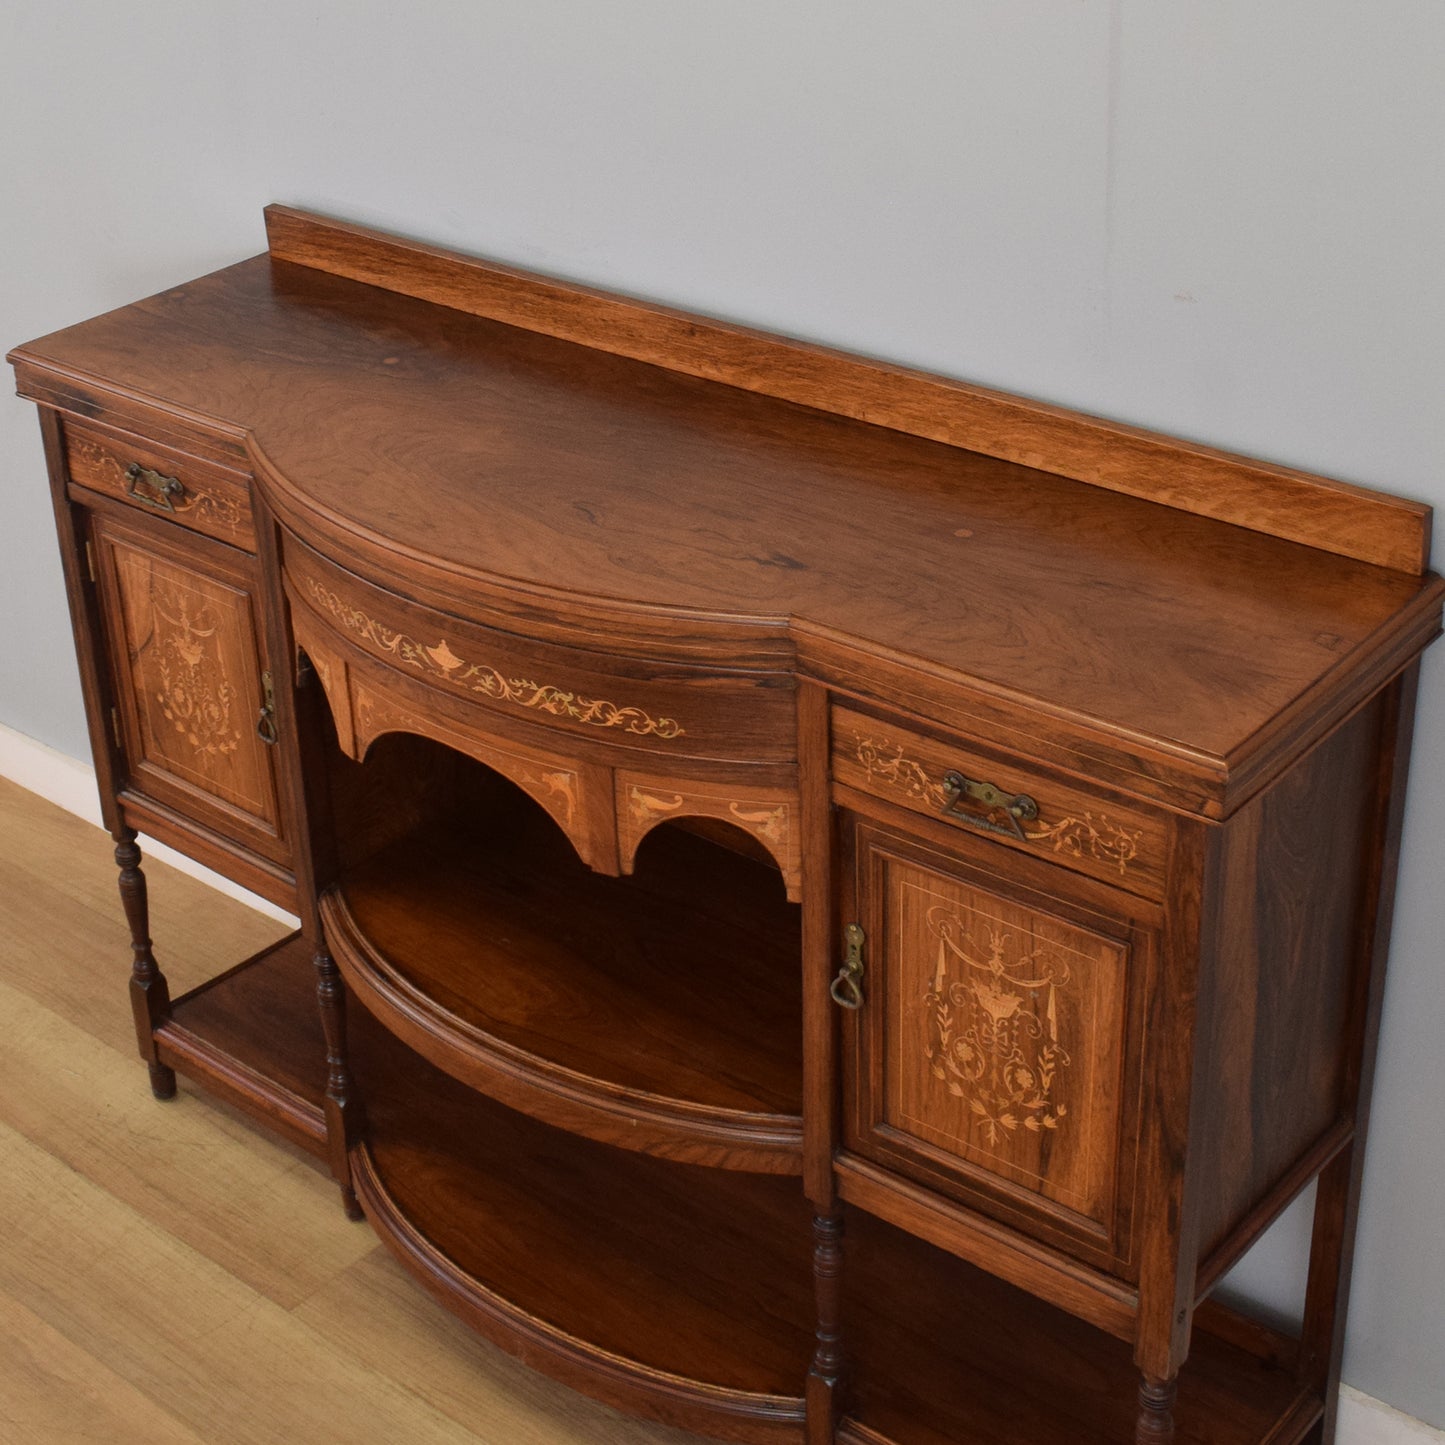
996	1057
181	622
1293	970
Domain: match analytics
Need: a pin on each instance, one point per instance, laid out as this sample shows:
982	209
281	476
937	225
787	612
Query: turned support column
150	998
343	1110
827	1368
1155	1424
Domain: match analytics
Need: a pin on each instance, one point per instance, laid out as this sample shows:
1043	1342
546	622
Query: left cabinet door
191	680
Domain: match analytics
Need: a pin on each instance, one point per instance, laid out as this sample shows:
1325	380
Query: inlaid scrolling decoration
441	662
214	507
217	508
898	770
1088	835
196	697
555	783
993	1028
770	823
646	807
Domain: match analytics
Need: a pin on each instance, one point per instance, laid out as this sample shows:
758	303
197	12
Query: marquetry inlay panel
439	662
192	678
1002	1035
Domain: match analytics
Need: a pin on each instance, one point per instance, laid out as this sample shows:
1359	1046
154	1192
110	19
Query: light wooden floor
167	1274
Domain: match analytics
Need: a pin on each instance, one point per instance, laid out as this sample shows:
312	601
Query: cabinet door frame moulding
874	846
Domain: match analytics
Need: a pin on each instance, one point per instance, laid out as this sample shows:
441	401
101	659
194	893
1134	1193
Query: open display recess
835	904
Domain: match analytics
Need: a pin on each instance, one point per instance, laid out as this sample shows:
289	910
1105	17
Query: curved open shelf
660	1012
665	1289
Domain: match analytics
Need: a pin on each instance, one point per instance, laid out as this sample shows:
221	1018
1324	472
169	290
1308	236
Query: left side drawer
162	483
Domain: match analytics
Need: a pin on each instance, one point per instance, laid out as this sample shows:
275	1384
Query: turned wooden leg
827	1367
150	998
343	1111
1156	1411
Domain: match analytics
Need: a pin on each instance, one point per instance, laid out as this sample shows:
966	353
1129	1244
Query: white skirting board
1367	1421
70	784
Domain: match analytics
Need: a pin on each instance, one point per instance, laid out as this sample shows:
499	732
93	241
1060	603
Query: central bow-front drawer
663	708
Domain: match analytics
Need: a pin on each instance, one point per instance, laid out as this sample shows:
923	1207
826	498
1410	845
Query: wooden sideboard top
515	475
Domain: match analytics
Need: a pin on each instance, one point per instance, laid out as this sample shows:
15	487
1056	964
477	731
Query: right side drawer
195	494
1009	801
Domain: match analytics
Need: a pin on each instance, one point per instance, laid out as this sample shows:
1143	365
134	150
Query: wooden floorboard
169	1274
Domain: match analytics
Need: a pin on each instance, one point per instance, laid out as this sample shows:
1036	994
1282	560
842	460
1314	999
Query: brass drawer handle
266	723
847	988
1004	813
153	488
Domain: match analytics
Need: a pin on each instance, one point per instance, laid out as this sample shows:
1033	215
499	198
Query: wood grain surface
903	1392
1285	502
652	1011
678	1291
651	513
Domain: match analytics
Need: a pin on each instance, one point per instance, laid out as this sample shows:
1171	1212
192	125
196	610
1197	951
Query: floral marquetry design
440	662
195	696
768	823
993	1027
646	808
887	763
1090	836
996	1031
189	682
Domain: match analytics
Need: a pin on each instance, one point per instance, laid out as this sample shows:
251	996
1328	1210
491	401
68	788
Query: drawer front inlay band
1090	834
442	663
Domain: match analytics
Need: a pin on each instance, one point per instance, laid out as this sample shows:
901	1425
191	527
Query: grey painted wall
1217	217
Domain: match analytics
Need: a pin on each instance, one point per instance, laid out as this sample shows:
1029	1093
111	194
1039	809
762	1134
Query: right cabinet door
996	1054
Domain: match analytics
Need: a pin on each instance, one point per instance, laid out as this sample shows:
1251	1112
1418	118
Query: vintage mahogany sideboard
841	902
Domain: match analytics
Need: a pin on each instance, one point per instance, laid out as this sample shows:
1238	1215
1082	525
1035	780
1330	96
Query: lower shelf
948	1355
683	1293
670	1290
252	1036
